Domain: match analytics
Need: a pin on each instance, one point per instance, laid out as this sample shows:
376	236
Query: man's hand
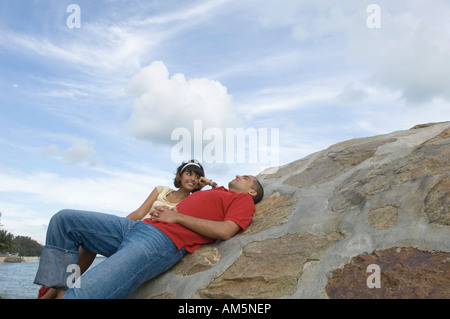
210	228
165	214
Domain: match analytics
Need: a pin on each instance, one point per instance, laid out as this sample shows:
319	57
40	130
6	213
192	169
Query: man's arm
223	230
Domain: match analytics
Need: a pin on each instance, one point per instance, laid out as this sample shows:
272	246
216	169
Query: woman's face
190	180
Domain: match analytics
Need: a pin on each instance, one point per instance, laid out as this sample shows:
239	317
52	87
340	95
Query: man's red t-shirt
218	204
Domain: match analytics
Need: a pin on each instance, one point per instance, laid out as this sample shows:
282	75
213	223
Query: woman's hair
191	166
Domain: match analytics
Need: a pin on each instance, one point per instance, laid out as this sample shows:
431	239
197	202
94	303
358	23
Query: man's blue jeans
137	252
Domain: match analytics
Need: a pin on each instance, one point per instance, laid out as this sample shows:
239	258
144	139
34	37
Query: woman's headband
188	164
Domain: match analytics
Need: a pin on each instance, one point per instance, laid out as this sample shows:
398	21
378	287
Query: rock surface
13	259
327	219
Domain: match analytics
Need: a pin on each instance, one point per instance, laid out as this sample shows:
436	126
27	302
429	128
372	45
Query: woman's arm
139	213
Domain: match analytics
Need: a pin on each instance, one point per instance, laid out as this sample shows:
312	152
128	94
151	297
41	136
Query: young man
138	251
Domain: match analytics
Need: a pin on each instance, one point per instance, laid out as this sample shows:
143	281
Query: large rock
333	223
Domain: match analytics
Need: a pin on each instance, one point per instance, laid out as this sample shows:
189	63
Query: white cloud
110	46
116	191
276	100
417	63
79	152
409	53
196	11
20	219
99	51
163	103
353	93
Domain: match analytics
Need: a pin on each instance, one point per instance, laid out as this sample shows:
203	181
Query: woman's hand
206	181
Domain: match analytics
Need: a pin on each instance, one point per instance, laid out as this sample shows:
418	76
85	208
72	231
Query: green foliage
6	240
25	246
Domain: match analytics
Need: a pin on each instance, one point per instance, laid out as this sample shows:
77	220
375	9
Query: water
16	279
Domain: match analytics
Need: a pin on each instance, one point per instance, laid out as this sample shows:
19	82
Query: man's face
242	184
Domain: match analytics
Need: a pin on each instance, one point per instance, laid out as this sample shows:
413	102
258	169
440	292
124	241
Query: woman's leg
85	259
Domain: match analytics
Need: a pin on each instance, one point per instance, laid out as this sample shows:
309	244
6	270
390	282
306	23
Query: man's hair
259	191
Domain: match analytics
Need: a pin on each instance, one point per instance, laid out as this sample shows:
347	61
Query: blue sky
87	113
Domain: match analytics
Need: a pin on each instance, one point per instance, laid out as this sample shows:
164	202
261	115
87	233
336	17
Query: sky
102	100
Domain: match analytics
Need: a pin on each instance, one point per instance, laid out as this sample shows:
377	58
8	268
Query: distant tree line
23	245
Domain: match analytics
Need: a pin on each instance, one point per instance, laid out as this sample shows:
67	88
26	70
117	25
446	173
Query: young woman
189	178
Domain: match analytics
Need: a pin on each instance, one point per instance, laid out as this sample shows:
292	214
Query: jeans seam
61	249
94	232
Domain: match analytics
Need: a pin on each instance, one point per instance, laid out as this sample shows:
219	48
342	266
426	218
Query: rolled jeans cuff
53	267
